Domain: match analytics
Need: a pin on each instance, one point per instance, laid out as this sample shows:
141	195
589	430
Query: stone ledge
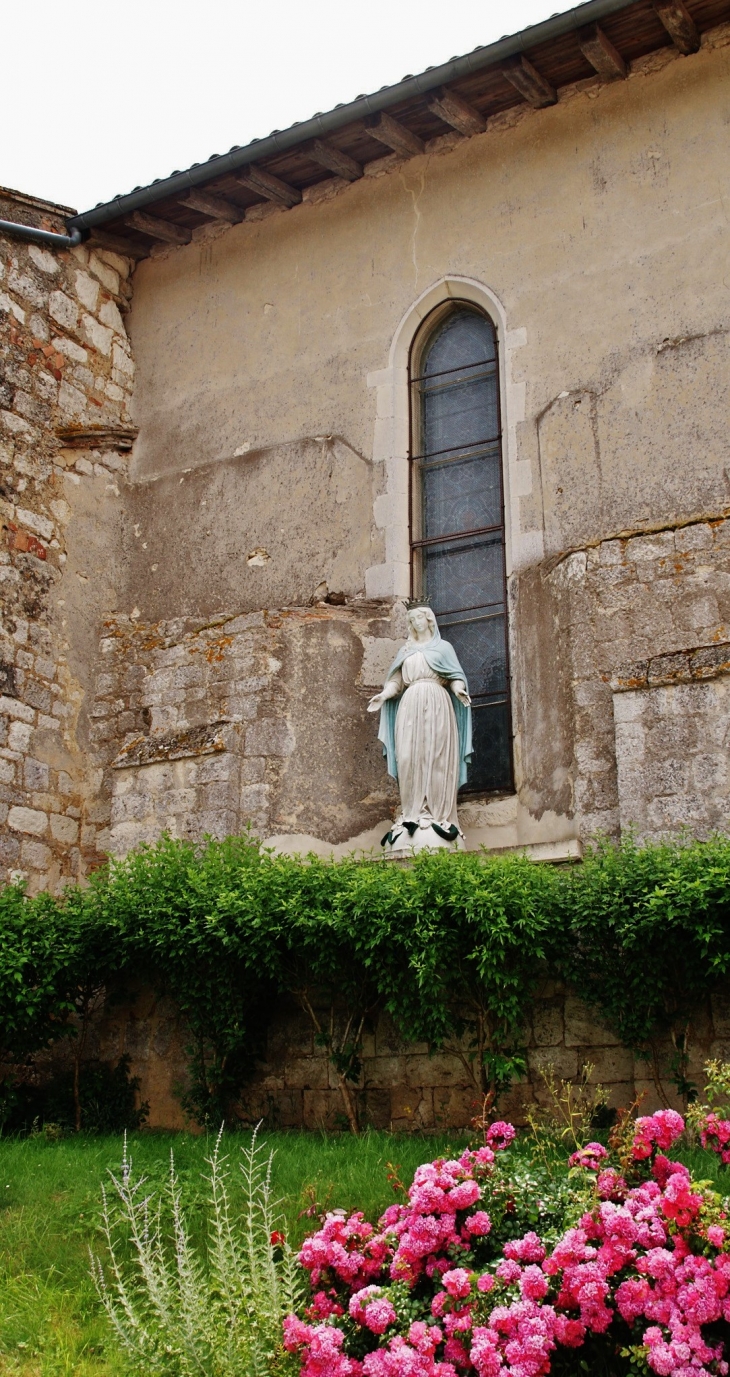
193	741
678	667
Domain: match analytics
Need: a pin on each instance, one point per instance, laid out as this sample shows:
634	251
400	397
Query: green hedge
453	944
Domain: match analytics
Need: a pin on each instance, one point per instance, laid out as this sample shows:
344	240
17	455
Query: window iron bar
484	616
473	444
456	535
460	368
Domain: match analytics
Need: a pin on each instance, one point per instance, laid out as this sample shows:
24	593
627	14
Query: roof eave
322	125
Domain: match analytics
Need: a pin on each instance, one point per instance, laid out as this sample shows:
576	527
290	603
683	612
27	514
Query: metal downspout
41	236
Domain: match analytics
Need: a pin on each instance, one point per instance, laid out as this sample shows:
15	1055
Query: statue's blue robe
441	658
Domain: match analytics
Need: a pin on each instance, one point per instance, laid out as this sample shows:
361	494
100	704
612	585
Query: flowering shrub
636	1274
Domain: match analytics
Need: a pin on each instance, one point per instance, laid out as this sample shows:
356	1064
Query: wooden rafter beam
679	24
600	52
215	207
267	185
527	80
158	229
394	135
116	244
334	159
453	110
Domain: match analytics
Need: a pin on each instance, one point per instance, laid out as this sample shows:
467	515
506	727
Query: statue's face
418	619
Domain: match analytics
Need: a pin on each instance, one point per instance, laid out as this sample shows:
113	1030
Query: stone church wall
190	628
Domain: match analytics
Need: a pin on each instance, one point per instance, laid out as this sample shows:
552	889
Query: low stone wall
402	1087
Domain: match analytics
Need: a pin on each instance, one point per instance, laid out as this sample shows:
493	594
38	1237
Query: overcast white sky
100	97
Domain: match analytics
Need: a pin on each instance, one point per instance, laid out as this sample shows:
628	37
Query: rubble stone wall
65	383
645	620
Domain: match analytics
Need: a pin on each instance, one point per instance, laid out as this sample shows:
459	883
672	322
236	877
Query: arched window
457	519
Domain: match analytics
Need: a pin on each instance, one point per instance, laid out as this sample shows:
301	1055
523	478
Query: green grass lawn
50	1321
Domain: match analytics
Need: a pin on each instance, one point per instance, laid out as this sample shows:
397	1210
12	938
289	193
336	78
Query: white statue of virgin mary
425	728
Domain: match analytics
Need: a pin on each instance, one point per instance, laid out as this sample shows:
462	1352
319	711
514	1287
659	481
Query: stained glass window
457	523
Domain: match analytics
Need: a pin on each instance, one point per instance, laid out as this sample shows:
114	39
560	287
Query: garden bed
51	1324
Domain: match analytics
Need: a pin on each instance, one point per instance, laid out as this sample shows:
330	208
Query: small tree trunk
349	1103
77	1096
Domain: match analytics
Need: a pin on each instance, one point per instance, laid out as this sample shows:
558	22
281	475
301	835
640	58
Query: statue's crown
417	602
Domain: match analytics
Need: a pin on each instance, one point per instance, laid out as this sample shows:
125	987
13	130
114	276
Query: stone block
610	1064
455	1107
547	1023
563	1060
7	771
12	708
254	799
87	290
410	1108
252	769
376	1108
28	820
35	855
439	1069
269	736
690	538
319	1109
110	316
582	1028
98	336
63	310
308	1073
64	829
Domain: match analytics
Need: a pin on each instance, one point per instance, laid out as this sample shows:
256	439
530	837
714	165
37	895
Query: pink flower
716	1235
658	1130
371	1309
457	1282
485	1283
463	1195
500	1135
478	1224
529	1248
508	1271
533	1283
588	1157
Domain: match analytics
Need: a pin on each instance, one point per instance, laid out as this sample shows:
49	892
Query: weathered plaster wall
270	393
65	362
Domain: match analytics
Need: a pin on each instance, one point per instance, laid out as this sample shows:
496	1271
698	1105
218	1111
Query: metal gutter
41	236
322	125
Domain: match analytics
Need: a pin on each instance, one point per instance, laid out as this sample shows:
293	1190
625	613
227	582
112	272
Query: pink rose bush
639	1275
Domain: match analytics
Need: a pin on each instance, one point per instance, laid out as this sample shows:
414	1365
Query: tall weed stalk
179	1311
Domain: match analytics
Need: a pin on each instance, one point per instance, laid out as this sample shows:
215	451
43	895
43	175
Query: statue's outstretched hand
376	703
458	688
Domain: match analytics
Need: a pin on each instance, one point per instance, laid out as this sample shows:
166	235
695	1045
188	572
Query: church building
464	341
